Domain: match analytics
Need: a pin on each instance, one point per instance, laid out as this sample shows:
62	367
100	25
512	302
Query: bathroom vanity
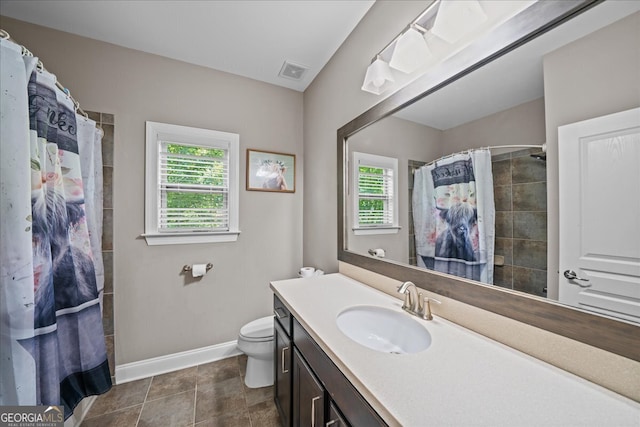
309	387
323	377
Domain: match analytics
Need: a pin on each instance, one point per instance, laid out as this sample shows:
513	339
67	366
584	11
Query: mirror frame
615	336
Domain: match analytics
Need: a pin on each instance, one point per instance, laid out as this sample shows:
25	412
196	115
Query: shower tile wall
107	123
520	190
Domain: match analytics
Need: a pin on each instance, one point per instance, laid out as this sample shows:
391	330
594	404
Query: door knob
571	275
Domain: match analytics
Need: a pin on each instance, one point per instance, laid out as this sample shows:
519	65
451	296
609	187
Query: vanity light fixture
455	19
444	28
378	77
411	50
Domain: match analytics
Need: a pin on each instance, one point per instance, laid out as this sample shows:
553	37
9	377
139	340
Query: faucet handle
426	307
408	301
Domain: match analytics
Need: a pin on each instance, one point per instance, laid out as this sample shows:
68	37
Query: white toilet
256	341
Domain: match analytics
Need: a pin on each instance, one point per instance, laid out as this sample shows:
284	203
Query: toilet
256	341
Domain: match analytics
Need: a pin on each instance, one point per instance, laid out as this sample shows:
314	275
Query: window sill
190	238
376	230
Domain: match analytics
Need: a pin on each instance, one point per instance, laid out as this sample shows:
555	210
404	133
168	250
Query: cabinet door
282	395
282	314
353	406
308	395
335	418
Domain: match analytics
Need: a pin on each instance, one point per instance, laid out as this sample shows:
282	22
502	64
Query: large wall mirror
495	94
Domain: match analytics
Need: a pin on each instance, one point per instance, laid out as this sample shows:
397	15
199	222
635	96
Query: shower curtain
454	216
51	338
90	148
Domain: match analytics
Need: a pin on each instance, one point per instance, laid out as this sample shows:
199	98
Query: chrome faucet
415	303
410	299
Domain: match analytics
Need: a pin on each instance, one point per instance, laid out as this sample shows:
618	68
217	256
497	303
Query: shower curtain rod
26	52
543	147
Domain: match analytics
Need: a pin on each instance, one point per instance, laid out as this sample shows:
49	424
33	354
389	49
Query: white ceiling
248	38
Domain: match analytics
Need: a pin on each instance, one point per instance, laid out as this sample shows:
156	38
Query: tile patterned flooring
209	395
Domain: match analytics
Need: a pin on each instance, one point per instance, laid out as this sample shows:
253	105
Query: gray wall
591	77
332	100
522	124
157	311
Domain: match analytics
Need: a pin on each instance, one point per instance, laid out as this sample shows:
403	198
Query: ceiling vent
293	71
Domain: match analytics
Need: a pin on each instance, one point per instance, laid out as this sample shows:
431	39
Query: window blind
375	196
193	188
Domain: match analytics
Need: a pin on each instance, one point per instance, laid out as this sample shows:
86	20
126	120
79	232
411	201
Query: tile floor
209	395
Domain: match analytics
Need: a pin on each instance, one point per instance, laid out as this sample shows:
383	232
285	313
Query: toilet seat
258	330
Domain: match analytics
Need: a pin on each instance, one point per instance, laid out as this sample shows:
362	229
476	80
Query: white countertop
462	379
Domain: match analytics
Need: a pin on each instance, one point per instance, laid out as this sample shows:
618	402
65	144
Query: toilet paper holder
188	268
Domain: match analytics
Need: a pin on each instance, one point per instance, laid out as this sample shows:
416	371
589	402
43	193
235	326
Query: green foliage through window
194	187
374	196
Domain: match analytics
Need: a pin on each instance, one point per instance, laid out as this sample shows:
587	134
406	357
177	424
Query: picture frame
271	171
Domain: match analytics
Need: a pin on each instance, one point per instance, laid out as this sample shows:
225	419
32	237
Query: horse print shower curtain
454	216
53	348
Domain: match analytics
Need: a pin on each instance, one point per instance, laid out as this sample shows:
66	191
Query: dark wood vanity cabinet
282	377
283	358
308	395
335	419
318	393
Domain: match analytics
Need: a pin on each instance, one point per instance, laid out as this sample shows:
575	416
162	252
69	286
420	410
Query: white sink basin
383	330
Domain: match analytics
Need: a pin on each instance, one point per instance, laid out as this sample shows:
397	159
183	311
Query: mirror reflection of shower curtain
51	337
454	215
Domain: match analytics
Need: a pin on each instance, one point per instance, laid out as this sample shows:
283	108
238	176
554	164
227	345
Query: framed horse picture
269	171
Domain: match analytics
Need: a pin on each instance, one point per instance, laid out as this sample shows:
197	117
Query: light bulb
378	77
378	81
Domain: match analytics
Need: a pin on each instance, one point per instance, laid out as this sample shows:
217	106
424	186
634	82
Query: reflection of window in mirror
375	182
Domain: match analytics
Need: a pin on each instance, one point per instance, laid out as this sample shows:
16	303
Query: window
375	185
191	185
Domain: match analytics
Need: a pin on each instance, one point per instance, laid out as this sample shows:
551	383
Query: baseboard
176	361
80	412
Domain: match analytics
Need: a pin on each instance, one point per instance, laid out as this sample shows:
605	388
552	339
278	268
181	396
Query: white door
599	189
